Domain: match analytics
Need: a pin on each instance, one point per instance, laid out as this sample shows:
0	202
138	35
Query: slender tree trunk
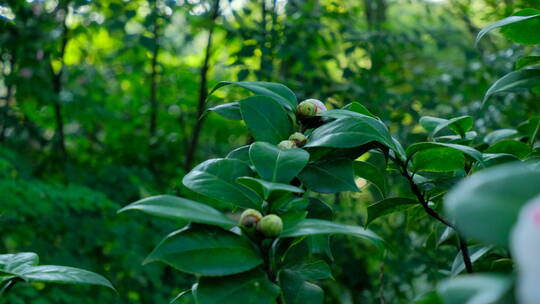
153	75
9	95
203	92
57	86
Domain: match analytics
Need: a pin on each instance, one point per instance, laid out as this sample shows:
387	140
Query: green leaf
351	132
514	81
207	251
527	61
506	21
266	119
15	263
172	207
246	288
524	31
474	289
387	206
460	125
65	275
276	91
275	164
430	123
475	253
264	188
229	110
485	206
329	176
317	227
182	294
414	148
358	108
510	146
372	174
297	291
241	153
216	178
500	134
311	269
441	159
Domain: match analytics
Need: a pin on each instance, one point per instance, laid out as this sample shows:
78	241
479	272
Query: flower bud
250	218
298	138
287	144
525	246
310	107
270	225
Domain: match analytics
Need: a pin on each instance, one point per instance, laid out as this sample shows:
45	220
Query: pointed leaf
503	22
514	81
264	188
275	164
216	178
298	291
474	289
180	208
206	250
276	91
65	275
329	176
266	119
229	110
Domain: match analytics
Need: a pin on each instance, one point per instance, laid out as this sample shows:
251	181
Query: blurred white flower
525	247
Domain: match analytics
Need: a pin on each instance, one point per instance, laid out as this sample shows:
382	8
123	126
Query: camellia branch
431	212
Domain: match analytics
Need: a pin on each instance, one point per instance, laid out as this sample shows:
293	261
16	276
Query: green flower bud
306	108
298	138
270	225
287	144
250	218
310	107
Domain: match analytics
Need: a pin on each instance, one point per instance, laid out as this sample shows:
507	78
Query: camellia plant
277	250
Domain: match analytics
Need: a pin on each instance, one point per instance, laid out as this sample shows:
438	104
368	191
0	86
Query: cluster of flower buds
269	225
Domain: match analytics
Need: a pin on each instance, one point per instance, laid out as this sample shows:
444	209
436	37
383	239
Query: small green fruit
298	138
250	218
287	144
270	225
310	107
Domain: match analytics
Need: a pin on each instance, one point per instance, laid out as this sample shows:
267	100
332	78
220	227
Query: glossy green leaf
276	91
527	61
372	174
525	31
241	153
317	227
430	123
441	159
206	250
216	178
264	188
173	207
311	269
506	21
15	263
266	119
298	291
497	135
351	132
388	206
228	110
414	148
514	81
64	275
329	176
460	125
510	146
358	108
474	289
246	288
181	295
485	206
475	253
275	164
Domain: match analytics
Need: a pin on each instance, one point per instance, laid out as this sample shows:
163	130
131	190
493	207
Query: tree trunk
57	86
153	74
203	92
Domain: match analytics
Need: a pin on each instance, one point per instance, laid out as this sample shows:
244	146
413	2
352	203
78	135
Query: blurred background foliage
100	104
